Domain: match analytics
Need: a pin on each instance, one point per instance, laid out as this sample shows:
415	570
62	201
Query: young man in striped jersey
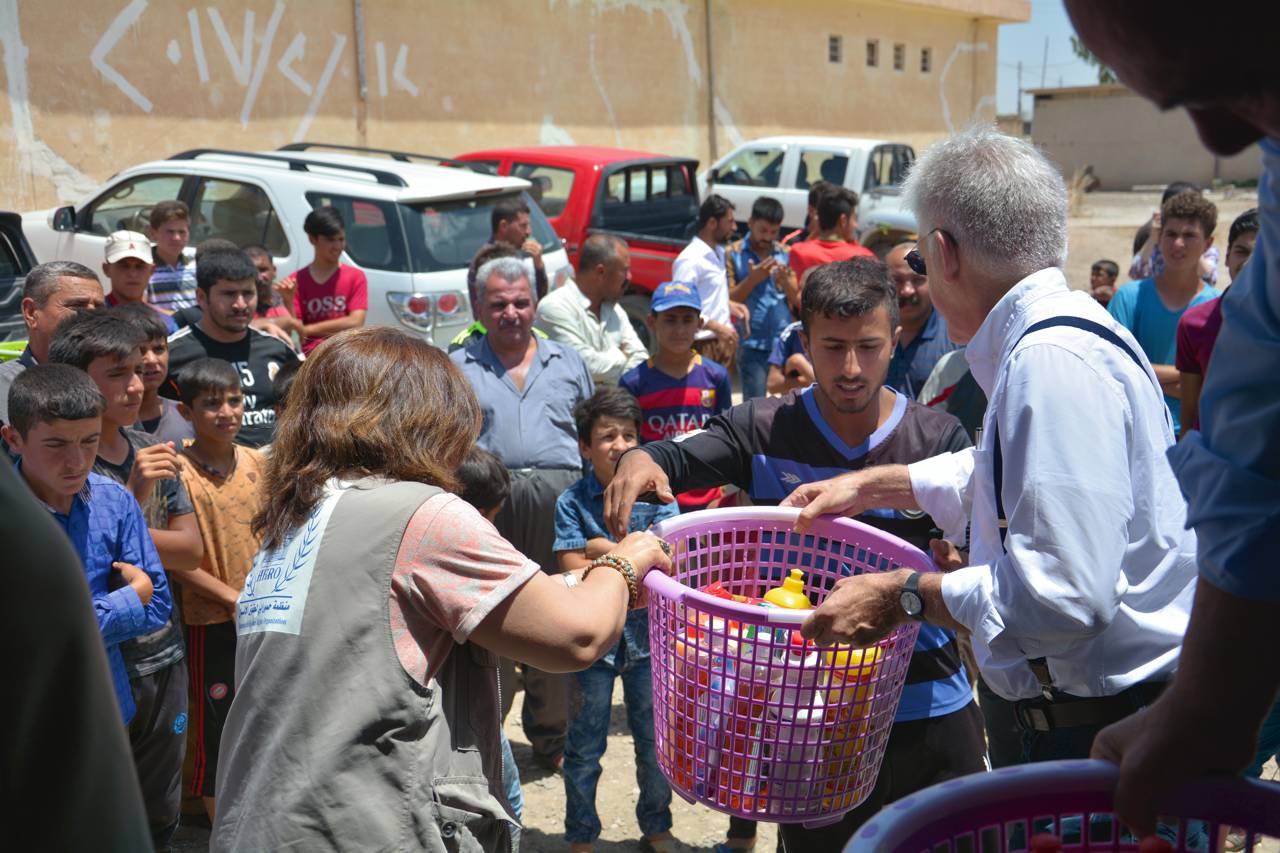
845	421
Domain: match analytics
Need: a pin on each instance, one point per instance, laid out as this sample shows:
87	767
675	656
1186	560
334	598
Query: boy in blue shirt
55	414
758	273
1151	307
678	390
608	425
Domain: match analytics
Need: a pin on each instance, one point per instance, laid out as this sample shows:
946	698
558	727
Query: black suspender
997	462
1039	666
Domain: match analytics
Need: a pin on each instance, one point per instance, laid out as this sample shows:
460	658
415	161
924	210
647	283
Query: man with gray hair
584	313
527	388
1080	574
52	292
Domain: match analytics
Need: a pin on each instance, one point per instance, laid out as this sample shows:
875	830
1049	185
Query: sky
1026	42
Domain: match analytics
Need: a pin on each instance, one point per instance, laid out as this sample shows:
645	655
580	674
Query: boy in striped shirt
678	389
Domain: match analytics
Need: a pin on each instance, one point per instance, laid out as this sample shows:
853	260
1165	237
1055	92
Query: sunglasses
915	260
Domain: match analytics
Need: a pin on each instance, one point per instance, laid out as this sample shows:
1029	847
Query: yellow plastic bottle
791	594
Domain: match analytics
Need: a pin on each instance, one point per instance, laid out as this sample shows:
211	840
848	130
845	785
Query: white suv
784	167
413	227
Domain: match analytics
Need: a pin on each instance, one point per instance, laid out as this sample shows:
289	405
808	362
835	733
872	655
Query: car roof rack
400	156
297	164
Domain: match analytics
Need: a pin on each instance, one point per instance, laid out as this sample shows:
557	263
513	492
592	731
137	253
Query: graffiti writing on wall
249	55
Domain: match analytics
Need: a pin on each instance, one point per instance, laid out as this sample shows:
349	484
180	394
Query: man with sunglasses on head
1080	574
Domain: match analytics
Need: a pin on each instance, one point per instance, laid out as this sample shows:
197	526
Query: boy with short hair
107	346
128	265
327	296
157	416
173	281
1151	307
486	485
223	480
1199	326
608	425
1102	280
678	389
758	274
837	238
55	414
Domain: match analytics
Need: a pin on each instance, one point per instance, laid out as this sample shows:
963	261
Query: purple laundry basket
1002	811
748	718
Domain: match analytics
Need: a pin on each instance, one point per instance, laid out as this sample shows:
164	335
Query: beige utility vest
330	744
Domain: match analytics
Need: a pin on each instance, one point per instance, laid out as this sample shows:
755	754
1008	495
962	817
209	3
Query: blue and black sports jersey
770	445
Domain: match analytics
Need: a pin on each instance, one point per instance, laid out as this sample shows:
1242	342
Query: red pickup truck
649	200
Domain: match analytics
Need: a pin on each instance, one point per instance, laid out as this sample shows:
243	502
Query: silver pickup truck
784	167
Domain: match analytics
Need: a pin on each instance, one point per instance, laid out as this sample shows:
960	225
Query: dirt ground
1106	222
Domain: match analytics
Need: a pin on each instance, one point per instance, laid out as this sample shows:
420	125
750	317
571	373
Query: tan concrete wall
1129	141
90	88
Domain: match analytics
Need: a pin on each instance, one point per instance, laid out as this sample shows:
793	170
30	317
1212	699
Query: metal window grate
873	53
926	60
899	57
835	49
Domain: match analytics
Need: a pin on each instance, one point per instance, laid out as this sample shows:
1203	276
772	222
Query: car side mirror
714	174
64	219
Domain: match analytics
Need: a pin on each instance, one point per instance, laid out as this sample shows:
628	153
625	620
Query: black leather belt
1065	711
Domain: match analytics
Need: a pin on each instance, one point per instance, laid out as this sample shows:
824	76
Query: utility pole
1019	89
1044	65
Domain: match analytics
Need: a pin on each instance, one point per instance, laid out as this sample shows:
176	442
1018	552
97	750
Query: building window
926	60
835	48
873	53
899	57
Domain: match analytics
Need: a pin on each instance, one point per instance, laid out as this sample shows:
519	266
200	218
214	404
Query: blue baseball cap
675	294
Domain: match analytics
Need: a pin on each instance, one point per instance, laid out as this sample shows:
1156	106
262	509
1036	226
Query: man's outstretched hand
637	474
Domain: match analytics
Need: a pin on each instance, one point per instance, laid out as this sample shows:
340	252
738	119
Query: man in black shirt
846	421
227	293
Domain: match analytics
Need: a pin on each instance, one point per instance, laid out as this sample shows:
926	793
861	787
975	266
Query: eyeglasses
915	260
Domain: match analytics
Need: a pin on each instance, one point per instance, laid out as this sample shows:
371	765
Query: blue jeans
511	781
753	368
591	697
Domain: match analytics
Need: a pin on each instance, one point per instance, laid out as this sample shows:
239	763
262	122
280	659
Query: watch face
912	604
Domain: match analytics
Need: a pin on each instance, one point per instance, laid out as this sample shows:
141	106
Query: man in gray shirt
51	293
527	388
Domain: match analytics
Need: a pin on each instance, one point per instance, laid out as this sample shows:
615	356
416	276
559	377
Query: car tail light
412	309
447	304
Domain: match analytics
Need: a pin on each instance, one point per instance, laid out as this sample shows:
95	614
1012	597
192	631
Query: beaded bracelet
623	566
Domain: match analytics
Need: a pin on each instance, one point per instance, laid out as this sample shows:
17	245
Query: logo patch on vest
275	590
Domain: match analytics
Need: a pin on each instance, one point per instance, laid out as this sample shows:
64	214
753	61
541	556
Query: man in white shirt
584	313
702	264
1077	614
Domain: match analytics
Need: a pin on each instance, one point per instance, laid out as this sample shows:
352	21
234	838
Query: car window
817	166
655	199
238	212
752	167
551	186
127	206
375	237
446	235
888	165
10	266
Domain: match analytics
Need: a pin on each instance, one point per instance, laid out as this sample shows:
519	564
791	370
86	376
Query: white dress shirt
608	344
703	266
1097	572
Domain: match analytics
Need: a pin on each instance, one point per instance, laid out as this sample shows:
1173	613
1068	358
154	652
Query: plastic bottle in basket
791	594
850	689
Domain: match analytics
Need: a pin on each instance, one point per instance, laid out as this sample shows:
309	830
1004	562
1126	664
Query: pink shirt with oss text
345	291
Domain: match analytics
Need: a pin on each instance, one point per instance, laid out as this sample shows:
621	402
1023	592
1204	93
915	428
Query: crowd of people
319	554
